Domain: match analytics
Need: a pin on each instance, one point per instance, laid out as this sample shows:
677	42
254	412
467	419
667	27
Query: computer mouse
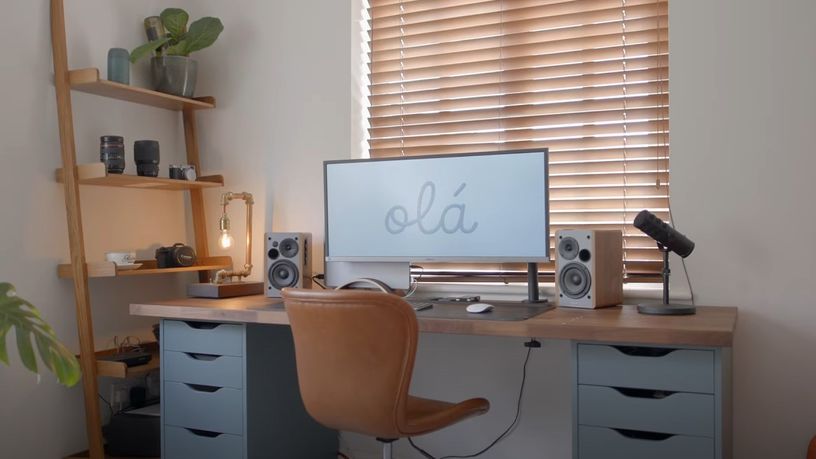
478	308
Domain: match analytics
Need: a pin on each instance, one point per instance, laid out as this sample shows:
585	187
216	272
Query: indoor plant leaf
21	315
25	349
148	48
3	352
202	34
175	21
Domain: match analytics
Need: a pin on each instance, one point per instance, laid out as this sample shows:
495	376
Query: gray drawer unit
685	370
231	391
206	369
655	411
651	402
606	443
204	337
215	409
184	443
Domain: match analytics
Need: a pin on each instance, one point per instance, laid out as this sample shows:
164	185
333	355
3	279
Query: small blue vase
119	65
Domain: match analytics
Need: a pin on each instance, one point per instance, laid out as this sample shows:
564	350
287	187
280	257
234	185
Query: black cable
343	455
530	345
110	407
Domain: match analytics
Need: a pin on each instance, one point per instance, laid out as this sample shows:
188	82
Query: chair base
387	447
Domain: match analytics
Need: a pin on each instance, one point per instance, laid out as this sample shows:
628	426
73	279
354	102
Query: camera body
176	256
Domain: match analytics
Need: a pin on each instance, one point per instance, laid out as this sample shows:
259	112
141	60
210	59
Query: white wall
743	109
46	420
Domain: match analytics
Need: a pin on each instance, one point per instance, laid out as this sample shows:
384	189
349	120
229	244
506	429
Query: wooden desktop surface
711	326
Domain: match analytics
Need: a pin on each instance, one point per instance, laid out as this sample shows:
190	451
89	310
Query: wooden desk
679	368
711	326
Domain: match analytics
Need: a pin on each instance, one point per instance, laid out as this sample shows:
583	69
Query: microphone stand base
661	309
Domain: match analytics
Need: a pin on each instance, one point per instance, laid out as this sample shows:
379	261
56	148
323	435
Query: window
586	78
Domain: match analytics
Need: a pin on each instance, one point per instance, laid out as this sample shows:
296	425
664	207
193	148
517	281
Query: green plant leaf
148	48
3	352
25	349
21	315
175	21
202	34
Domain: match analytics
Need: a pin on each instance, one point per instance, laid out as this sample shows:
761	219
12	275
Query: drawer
183	443
217	409
606	443
682	370
639	409
207	369
203	337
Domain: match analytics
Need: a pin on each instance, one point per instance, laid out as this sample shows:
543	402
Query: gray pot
174	75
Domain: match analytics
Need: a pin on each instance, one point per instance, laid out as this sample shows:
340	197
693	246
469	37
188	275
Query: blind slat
508	52
503	63
568	95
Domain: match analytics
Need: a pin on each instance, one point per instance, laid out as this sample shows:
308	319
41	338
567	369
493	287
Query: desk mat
503	310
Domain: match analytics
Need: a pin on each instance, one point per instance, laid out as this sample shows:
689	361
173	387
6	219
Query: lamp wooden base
225	290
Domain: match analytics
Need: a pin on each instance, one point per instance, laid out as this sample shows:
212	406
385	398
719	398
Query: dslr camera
176	256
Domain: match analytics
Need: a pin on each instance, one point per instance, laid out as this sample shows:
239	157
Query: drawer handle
201	325
204	357
638	351
203	388
204	433
640	435
644	393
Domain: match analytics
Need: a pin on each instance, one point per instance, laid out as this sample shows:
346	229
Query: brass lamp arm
226	198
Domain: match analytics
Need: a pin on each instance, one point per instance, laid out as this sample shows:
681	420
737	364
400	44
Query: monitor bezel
458	259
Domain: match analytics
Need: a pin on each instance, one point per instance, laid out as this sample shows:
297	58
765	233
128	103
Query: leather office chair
355	357
811	454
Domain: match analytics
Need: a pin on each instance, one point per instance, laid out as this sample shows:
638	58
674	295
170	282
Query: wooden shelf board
88	80
120	370
96	174
108	269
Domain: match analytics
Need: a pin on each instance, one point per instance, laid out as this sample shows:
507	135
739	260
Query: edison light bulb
226	239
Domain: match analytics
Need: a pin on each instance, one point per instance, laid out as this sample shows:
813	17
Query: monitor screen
481	207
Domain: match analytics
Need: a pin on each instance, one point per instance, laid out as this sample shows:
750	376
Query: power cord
110	407
533	343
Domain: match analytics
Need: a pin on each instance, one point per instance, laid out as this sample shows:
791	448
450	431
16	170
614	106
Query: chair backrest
811	454
355	356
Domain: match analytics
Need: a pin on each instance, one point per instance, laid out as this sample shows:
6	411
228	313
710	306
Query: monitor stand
532	284
397	275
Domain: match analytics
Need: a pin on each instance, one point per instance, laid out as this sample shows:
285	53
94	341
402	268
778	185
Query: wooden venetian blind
587	79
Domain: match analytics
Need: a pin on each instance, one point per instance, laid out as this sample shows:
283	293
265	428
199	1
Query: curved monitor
479	207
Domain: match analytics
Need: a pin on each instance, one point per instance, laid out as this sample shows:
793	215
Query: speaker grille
575	280
289	248
568	248
283	274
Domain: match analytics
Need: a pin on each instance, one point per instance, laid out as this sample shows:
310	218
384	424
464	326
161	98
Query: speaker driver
575	280
568	248
283	274
289	248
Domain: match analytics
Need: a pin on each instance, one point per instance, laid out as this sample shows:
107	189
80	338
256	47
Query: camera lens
146	154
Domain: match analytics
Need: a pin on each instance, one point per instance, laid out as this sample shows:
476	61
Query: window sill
518	291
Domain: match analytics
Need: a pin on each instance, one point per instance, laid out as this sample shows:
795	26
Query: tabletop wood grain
711	326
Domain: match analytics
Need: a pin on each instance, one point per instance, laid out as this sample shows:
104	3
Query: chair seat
425	415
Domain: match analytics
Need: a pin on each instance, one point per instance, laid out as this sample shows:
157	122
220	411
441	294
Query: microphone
664	234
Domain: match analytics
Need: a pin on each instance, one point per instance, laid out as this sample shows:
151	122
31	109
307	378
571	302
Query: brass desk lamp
223	286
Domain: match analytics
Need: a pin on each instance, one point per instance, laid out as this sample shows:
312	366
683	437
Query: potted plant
172	69
29	325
